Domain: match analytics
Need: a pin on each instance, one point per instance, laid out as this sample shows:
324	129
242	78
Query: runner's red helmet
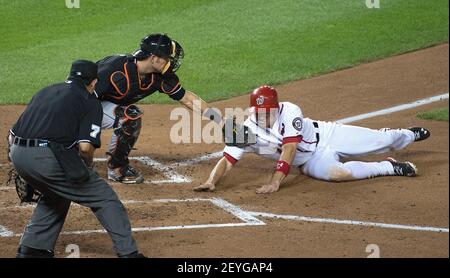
264	97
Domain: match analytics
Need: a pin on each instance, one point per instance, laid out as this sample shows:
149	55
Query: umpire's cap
84	70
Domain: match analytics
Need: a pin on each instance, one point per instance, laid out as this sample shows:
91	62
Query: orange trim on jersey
140	84
293	139
231	159
173	90
122	94
127	77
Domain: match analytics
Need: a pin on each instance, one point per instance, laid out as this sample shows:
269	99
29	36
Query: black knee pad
129	113
132	127
132	123
127	134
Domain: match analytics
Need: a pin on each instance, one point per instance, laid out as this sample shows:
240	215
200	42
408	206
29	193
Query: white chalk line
236	211
168	171
196	160
349	222
165	228
125	202
5	232
248	220
393	109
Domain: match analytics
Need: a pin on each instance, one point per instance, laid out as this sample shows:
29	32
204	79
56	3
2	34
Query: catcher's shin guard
126	134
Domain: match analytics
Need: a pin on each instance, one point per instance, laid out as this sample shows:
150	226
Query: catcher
126	79
280	132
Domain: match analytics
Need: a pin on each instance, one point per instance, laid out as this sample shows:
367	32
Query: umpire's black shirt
65	113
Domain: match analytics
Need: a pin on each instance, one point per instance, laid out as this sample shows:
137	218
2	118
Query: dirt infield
226	223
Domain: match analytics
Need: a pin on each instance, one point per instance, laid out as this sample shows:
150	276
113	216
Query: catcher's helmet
264	97
162	46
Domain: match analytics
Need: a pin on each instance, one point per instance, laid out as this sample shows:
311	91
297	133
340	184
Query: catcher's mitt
237	135
26	193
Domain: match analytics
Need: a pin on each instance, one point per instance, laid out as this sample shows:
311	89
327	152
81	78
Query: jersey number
95	131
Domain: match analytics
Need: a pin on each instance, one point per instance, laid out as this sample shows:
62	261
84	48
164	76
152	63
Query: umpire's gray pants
39	167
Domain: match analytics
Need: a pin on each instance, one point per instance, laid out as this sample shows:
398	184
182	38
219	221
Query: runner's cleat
406	168
420	133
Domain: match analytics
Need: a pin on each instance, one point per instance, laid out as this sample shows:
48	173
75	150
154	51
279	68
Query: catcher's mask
264	103
164	47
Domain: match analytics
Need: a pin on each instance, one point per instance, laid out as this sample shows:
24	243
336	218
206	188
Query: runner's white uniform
321	145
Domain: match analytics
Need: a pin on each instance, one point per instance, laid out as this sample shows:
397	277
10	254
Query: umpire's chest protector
119	82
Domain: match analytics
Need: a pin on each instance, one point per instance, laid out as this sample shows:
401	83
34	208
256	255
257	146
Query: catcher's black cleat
126	174
406	168
420	133
24	252
134	255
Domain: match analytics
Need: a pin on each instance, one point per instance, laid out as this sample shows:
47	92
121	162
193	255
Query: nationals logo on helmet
260	100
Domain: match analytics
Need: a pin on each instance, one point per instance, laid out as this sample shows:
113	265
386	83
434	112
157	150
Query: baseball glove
26	193
237	135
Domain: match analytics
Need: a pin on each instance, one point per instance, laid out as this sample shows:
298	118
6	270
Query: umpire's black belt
30	142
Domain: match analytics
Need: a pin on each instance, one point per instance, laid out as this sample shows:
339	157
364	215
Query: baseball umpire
52	147
126	79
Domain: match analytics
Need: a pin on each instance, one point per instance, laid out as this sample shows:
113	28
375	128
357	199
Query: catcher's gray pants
39	167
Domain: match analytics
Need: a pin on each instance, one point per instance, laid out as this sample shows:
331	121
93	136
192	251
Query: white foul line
236	211
125	202
248	220
5	232
350	222
168	171
393	109
149	229
196	160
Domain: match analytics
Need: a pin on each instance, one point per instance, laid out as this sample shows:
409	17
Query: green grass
231	45
440	114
